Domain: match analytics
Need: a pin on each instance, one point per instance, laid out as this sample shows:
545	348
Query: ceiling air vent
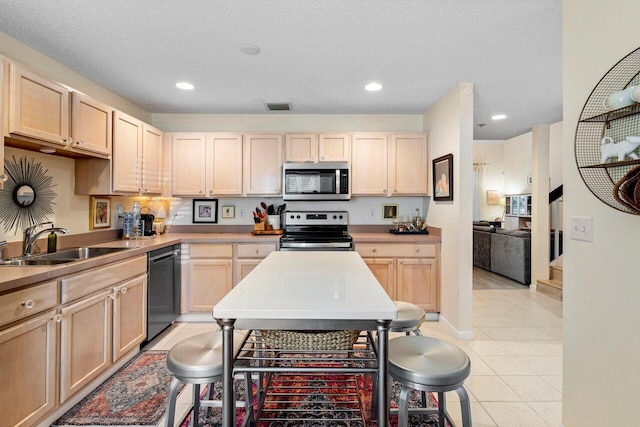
278	106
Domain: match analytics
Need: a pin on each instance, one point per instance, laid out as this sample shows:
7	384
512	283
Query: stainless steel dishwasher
163	289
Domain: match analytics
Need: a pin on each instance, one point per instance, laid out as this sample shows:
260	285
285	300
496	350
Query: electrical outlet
242	213
371	214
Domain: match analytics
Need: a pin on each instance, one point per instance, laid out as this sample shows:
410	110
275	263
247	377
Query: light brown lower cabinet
85	350
28	370
248	256
210	275
99	328
407	272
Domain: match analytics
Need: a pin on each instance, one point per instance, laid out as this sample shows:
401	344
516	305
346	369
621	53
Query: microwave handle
337	181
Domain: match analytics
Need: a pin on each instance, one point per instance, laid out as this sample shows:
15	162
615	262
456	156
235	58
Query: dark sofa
505	252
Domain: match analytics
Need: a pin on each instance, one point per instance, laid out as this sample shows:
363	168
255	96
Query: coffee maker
147	222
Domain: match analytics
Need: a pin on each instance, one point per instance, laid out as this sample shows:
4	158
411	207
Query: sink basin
23	261
61	257
76	254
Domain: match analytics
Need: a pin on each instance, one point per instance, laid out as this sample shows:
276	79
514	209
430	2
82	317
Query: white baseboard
462	335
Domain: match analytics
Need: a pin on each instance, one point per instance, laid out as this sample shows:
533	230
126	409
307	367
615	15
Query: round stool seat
427	361
200	356
409	316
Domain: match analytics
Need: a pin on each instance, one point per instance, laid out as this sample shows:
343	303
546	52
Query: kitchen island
307	291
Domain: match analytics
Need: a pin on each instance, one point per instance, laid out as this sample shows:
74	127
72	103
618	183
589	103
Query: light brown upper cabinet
369	164
137	156
151	159
408	165
224	164
262	166
91	124
317	148
38	108
389	164
207	165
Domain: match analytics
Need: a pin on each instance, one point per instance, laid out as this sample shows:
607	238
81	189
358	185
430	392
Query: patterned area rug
135	395
306	404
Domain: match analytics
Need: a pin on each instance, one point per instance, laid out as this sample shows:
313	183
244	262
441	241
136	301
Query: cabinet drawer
210	250
255	251
25	302
86	283
370	250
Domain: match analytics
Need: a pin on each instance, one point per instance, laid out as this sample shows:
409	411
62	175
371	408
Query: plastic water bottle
137	229
127	225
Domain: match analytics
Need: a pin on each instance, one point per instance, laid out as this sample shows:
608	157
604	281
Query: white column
540	204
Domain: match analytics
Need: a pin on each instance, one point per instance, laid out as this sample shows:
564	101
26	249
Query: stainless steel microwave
316	181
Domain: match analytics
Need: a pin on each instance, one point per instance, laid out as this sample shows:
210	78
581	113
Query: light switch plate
582	228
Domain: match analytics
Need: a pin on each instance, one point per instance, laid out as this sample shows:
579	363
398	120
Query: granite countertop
12	277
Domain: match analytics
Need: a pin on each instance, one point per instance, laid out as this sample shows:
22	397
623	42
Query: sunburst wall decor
27	196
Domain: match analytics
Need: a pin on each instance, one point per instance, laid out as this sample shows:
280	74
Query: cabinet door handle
79	143
68	140
3	177
418	251
256	251
123	290
57	318
384	191
29	304
374	250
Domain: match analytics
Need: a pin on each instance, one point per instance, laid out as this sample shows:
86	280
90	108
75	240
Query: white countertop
308	285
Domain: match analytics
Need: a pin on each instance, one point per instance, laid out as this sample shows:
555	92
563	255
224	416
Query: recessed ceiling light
373	86
249	49
184	86
47	150
498	117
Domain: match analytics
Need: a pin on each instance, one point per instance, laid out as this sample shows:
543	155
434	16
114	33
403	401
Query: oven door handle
316	245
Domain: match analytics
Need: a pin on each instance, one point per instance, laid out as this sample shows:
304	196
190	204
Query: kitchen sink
61	257
77	253
24	261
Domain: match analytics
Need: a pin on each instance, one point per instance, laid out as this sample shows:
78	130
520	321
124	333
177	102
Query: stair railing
554	212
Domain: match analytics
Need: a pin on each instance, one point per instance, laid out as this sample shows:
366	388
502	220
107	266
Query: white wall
450	122
69	211
285	122
601	285
491	153
518	161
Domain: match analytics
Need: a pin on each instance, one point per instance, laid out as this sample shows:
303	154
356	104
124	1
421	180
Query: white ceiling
315	54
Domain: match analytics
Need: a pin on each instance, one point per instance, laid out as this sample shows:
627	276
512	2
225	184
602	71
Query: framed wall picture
443	178
205	211
228	212
389	211
493	198
100	212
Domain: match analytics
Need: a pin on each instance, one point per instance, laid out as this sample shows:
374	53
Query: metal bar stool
198	360
410	318
429	364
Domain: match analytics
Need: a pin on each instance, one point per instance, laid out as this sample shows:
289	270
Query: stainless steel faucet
30	237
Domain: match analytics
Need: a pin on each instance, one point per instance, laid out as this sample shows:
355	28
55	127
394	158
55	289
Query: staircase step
551	288
556	273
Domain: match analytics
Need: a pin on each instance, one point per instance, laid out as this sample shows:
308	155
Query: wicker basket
310	340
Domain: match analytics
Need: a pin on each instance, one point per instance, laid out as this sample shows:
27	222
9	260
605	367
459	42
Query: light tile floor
516	358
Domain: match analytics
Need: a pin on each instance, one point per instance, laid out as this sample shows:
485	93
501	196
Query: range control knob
334	217
340	216
292	216
298	216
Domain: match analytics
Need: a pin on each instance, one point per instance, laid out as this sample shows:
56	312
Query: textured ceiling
317	55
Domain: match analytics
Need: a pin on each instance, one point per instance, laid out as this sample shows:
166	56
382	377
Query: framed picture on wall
493	198
389	211
205	211
100	212
443	178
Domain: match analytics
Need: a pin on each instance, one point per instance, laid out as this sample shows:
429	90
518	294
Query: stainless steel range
316	231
